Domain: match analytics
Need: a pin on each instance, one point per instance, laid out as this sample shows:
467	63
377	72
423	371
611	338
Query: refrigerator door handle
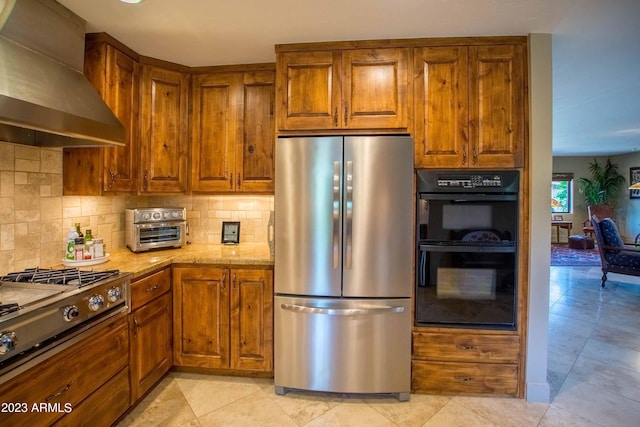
349	215
336	215
342	311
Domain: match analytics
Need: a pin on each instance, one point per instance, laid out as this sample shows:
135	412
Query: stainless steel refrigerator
343	256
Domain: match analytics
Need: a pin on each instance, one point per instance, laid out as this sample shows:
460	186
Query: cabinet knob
251	149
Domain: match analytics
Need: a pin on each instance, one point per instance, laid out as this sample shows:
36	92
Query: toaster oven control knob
156	215
70	313
146	216
96	302
114	294
8	342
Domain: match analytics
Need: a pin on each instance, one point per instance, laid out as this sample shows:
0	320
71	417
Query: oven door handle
423	269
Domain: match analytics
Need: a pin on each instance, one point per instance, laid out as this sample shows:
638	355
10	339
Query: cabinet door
201	317
116	77
252	320
151	349
375	87
215	130
122	96
255	161
308	90
164	122
497	107
441	107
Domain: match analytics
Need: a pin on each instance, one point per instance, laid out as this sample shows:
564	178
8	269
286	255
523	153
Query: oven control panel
469	181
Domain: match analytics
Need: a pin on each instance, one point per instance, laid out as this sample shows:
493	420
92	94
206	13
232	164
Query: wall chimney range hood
45	100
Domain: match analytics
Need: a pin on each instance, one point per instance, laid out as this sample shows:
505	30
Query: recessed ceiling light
132	1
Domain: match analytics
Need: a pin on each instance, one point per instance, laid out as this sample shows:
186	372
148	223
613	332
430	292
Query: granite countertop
142	263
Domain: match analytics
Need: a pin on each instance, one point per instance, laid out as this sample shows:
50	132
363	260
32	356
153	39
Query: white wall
540	103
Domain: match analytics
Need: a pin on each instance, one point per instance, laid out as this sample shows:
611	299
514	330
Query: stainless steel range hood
45	99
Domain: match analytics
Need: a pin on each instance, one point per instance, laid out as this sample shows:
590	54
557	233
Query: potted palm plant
600	191
603	186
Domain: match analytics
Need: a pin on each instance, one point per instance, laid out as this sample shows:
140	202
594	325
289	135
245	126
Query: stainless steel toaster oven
155	228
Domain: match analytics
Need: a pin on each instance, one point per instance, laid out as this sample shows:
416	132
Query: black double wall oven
466	261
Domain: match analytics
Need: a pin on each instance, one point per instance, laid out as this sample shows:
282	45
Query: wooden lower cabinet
223	318
73	377
151	323
465	363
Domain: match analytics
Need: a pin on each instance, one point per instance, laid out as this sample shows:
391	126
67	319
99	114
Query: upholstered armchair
615	256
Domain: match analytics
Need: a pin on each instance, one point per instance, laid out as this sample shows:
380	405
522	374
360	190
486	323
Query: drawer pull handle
137	326
464	379
60	393
465	346
153	288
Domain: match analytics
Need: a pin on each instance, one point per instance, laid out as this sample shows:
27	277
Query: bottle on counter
88	244
71	241
78	230
98	248
79	249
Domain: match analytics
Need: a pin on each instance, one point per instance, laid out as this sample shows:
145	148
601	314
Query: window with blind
562	193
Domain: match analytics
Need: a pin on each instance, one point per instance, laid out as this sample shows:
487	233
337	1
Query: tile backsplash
35	217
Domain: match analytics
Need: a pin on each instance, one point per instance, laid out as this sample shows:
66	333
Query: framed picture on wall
634	178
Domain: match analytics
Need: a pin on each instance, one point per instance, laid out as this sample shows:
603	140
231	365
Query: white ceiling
596	44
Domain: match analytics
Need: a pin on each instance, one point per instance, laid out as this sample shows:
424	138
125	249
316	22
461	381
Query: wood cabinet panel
71	375
255	155
103	407
252	320
466	378
201	317
234	329
374	93
466	347
164	128
116	77
232	132
308	90
497	105
150	287
470	106
441	107
151	344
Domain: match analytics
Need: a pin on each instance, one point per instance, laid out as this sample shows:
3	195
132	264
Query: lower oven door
466	286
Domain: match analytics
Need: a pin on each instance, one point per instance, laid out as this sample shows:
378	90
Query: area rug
561	254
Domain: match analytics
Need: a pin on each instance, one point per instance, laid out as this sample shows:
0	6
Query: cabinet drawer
69	376
104	406
464	378
150	287
466	347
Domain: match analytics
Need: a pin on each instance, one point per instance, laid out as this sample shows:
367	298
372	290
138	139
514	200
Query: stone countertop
142	263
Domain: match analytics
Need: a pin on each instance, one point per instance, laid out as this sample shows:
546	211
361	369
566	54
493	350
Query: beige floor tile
612	354
206	393
556	417
164	406
609	377
303	407
415	412
351	414
254	410
456	415
596	404
505	412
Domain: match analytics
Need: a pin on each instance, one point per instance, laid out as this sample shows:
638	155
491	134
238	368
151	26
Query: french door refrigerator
343	259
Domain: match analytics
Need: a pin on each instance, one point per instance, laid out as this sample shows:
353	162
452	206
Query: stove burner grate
67	276
8	308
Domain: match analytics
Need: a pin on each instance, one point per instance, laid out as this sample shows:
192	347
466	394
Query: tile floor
594	373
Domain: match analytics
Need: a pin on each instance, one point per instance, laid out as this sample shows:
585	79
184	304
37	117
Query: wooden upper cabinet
469	106
374	93
164	128
116	76
233	132
343	89
308	90
441	107
497	107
